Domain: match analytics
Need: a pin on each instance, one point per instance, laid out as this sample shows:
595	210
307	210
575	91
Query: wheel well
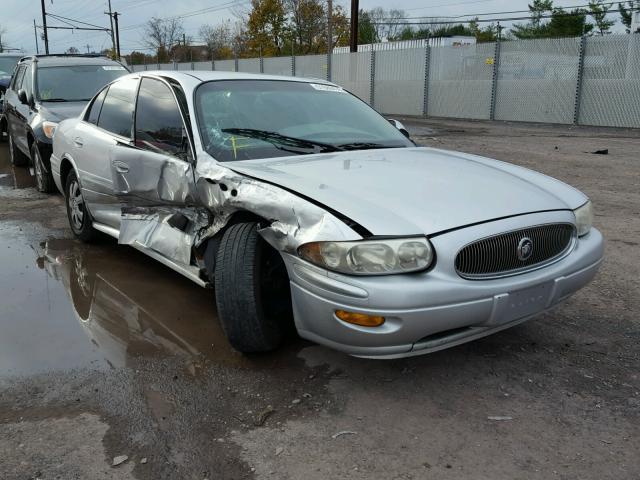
211	246
65	168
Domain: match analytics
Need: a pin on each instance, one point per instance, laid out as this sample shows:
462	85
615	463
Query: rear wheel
252	290
77	212
44	179
18	159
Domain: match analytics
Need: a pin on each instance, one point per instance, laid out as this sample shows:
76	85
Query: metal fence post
261	61
372	79
494	81
293	60
578	99
329	73
427	71
236	62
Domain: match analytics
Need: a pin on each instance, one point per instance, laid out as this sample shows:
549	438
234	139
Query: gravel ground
104	353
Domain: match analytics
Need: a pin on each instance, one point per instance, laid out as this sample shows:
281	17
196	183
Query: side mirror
22	96
400	127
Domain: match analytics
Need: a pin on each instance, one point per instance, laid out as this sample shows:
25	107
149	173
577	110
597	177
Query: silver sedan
304	207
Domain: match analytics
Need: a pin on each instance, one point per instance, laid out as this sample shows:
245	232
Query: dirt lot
105	353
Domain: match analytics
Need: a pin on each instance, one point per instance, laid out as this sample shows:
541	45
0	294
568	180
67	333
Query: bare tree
218	38
72	51
163	34
387	23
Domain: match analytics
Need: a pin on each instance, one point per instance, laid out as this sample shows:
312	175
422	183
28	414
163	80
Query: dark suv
45	90
7	65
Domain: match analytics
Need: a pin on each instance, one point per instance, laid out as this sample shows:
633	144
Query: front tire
252	290
44	178
77	212
18	159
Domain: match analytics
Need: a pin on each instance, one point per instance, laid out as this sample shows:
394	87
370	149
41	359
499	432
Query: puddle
13	177
66	305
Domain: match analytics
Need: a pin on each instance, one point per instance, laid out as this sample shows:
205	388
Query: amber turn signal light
360	318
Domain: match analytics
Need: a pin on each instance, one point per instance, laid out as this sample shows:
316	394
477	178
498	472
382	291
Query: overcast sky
17	17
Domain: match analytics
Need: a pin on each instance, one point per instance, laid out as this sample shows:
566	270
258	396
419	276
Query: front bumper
437	309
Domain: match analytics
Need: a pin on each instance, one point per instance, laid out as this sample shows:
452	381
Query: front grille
500	256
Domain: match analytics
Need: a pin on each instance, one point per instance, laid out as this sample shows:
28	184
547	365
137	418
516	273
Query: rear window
75	83
116	115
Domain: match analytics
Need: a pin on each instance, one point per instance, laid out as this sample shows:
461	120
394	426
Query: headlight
370	257
584	218
49	128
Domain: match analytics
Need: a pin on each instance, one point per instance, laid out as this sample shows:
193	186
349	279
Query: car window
159	125
75	83
116	115
96	106
17	79
27	81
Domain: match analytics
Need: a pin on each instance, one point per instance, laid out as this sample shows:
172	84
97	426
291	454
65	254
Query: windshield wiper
279	140
364	146
54	100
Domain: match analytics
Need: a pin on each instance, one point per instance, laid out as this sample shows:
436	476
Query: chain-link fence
585	80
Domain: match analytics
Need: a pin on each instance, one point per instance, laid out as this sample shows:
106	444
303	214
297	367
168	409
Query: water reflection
129	305
13	177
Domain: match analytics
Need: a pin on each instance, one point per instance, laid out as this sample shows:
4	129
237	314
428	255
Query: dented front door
153	176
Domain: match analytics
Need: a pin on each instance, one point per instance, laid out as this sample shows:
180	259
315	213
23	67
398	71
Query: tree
599	11
387	23
366	29
562	23
307	24
162	35
72	51
218	39
483	35
626	12
266	27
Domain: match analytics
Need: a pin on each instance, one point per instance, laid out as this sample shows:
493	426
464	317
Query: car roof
66	60
193	78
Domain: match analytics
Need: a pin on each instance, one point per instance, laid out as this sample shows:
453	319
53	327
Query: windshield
252	119
75	83
7	64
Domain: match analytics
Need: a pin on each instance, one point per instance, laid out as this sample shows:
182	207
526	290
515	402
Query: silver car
304	207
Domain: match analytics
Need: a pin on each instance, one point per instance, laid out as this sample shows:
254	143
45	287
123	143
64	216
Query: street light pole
35	33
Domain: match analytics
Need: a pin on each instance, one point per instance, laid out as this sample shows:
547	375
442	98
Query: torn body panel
152	195
292	221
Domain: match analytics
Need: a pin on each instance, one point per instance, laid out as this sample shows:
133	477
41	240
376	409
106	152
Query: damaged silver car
304	207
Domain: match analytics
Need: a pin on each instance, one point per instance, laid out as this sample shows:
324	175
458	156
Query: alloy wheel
37	165
76	205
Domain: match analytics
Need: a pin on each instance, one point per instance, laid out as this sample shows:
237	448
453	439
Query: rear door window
116	115
94	111
17	78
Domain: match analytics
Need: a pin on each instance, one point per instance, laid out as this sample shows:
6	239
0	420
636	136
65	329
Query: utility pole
355	10
35	33
115	21
113	38
88	47
44	26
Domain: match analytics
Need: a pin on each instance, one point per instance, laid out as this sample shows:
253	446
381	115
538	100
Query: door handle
121	167
78	142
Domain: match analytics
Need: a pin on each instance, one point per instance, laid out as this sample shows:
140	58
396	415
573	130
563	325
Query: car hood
415	190
56	112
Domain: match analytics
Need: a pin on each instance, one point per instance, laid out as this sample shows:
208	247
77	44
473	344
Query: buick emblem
525	249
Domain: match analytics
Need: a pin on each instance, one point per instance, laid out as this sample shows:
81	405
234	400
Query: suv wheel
18	158
77	212
252	290
44	179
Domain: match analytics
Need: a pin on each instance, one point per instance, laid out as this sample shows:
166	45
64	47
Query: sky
16	17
